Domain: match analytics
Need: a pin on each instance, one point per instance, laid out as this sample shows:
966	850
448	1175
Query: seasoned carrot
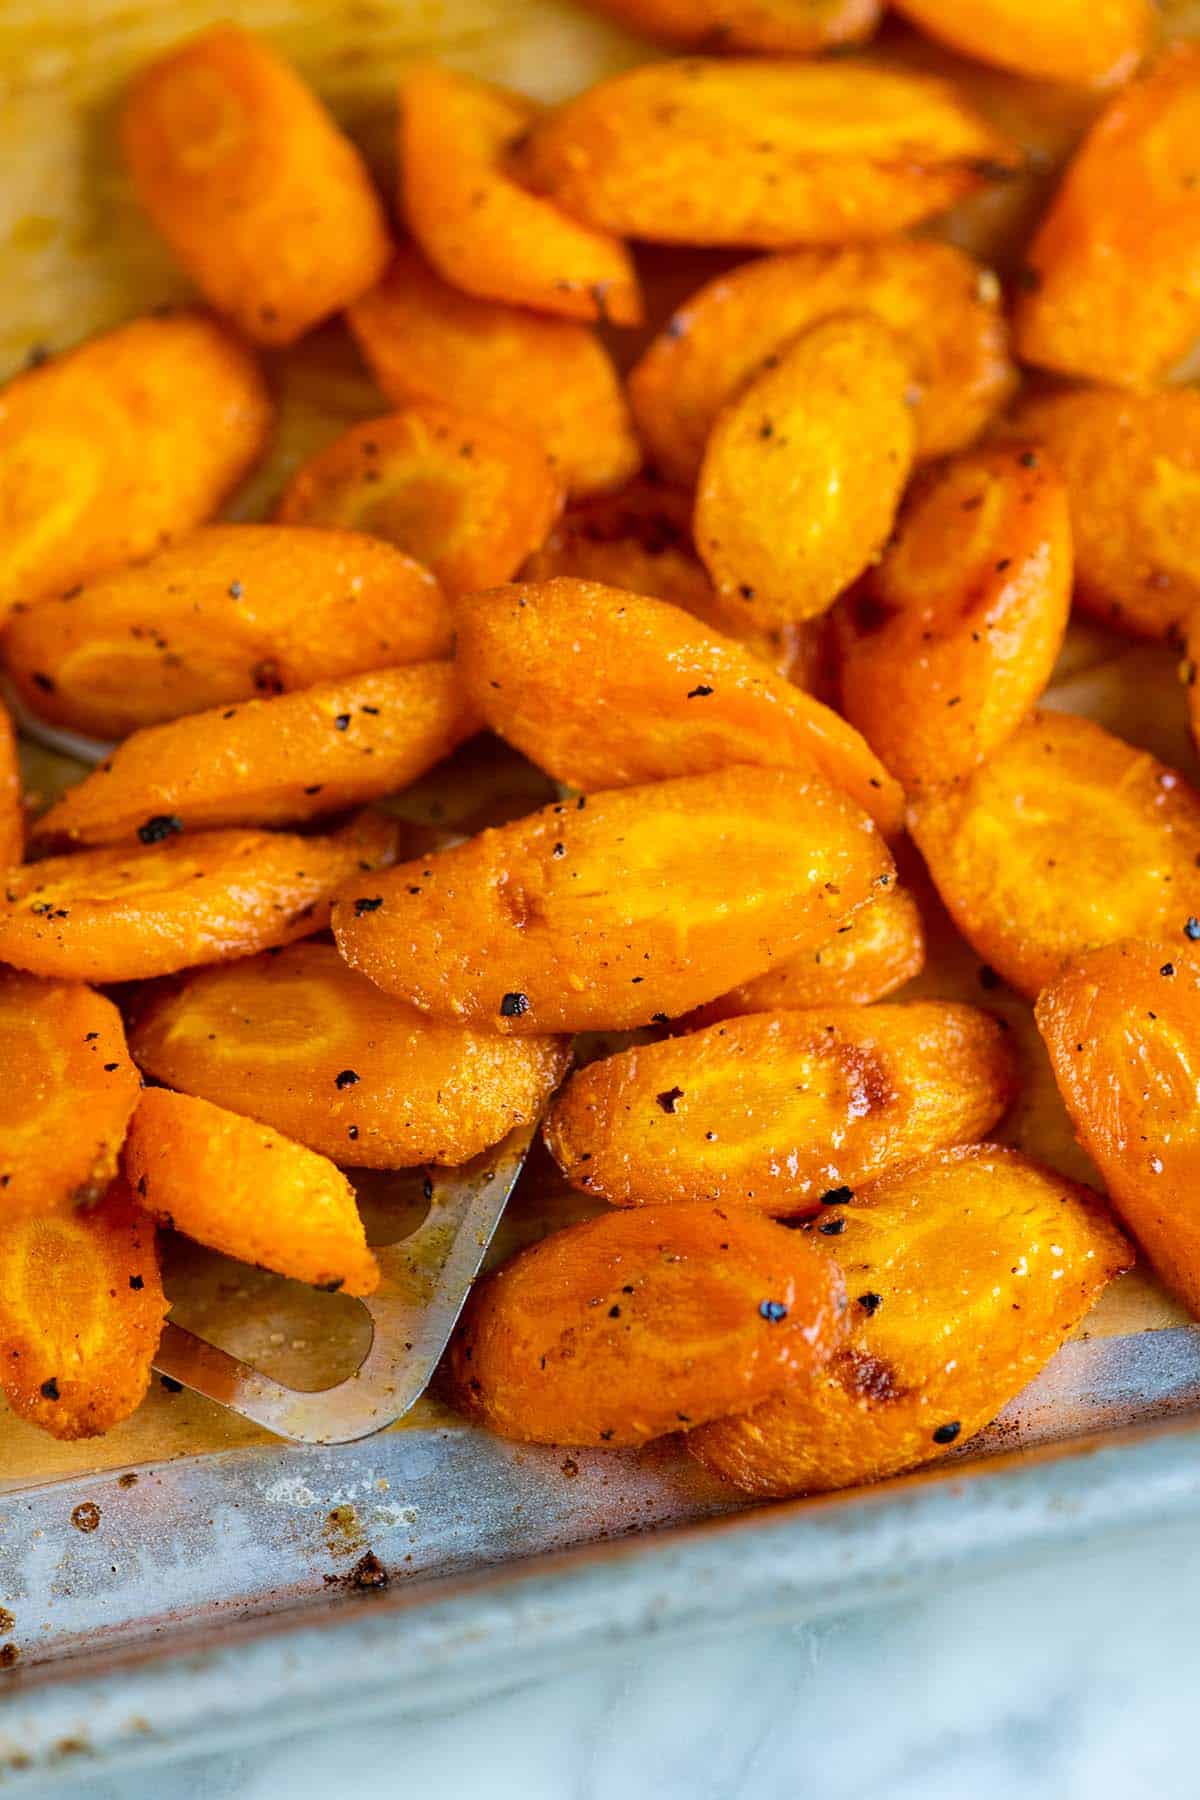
68	1091
965	1273
12	809
112	448
268	761
469	498
483	231
1089	41
943	306
785	27
241	1188
275	1036
265	203
121	914
782	1111
1112	290
610	912
549	379
1066	839
81	1312
951	638
602	689
868	957
763	153
804	470
634	1324
229	612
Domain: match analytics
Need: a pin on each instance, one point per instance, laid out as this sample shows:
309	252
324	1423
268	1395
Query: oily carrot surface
265	762
228	612
68	1092
241	1188
112	448
125	914
265	203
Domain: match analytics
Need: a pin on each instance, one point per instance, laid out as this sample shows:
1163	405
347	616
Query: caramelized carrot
1073	40
784	27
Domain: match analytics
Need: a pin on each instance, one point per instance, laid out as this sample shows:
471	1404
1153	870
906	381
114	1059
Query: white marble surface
1070	1680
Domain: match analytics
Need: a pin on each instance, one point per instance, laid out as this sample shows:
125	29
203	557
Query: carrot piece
549	379
604	913
1066	839
804	471
603	688
1073	40
239	1187
271	1037
68	1092
951	638
872	955
12	808
786	27
780	1111
1113	283
264	202
1122	1026
761	153
631	1325
943	306
965	1272
123	915
1131	463
229	612
481	230
81	1312
289	757
112	448
468	497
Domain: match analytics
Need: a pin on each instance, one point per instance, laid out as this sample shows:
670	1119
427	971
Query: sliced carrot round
241	1188
301	1041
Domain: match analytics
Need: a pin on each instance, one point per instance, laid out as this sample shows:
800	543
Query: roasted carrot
229	612
265	203
785	27
276	1036
81	1312
469	498
634	1324
120	914
549	379
12	809
113	448
1073	40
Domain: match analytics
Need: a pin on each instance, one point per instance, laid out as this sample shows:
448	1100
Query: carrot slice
12	809
111	449
241	1188
1074	40
265	203
609	912
635	1324
549	379
951	638
965	1274
603	688
786	27
940	303
1066	839
780	1111
804	471
290	757
868	957
1122	1026
229	612
276	1036
126	914
67	1096
761	152
81	1312
1113	284
478	227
